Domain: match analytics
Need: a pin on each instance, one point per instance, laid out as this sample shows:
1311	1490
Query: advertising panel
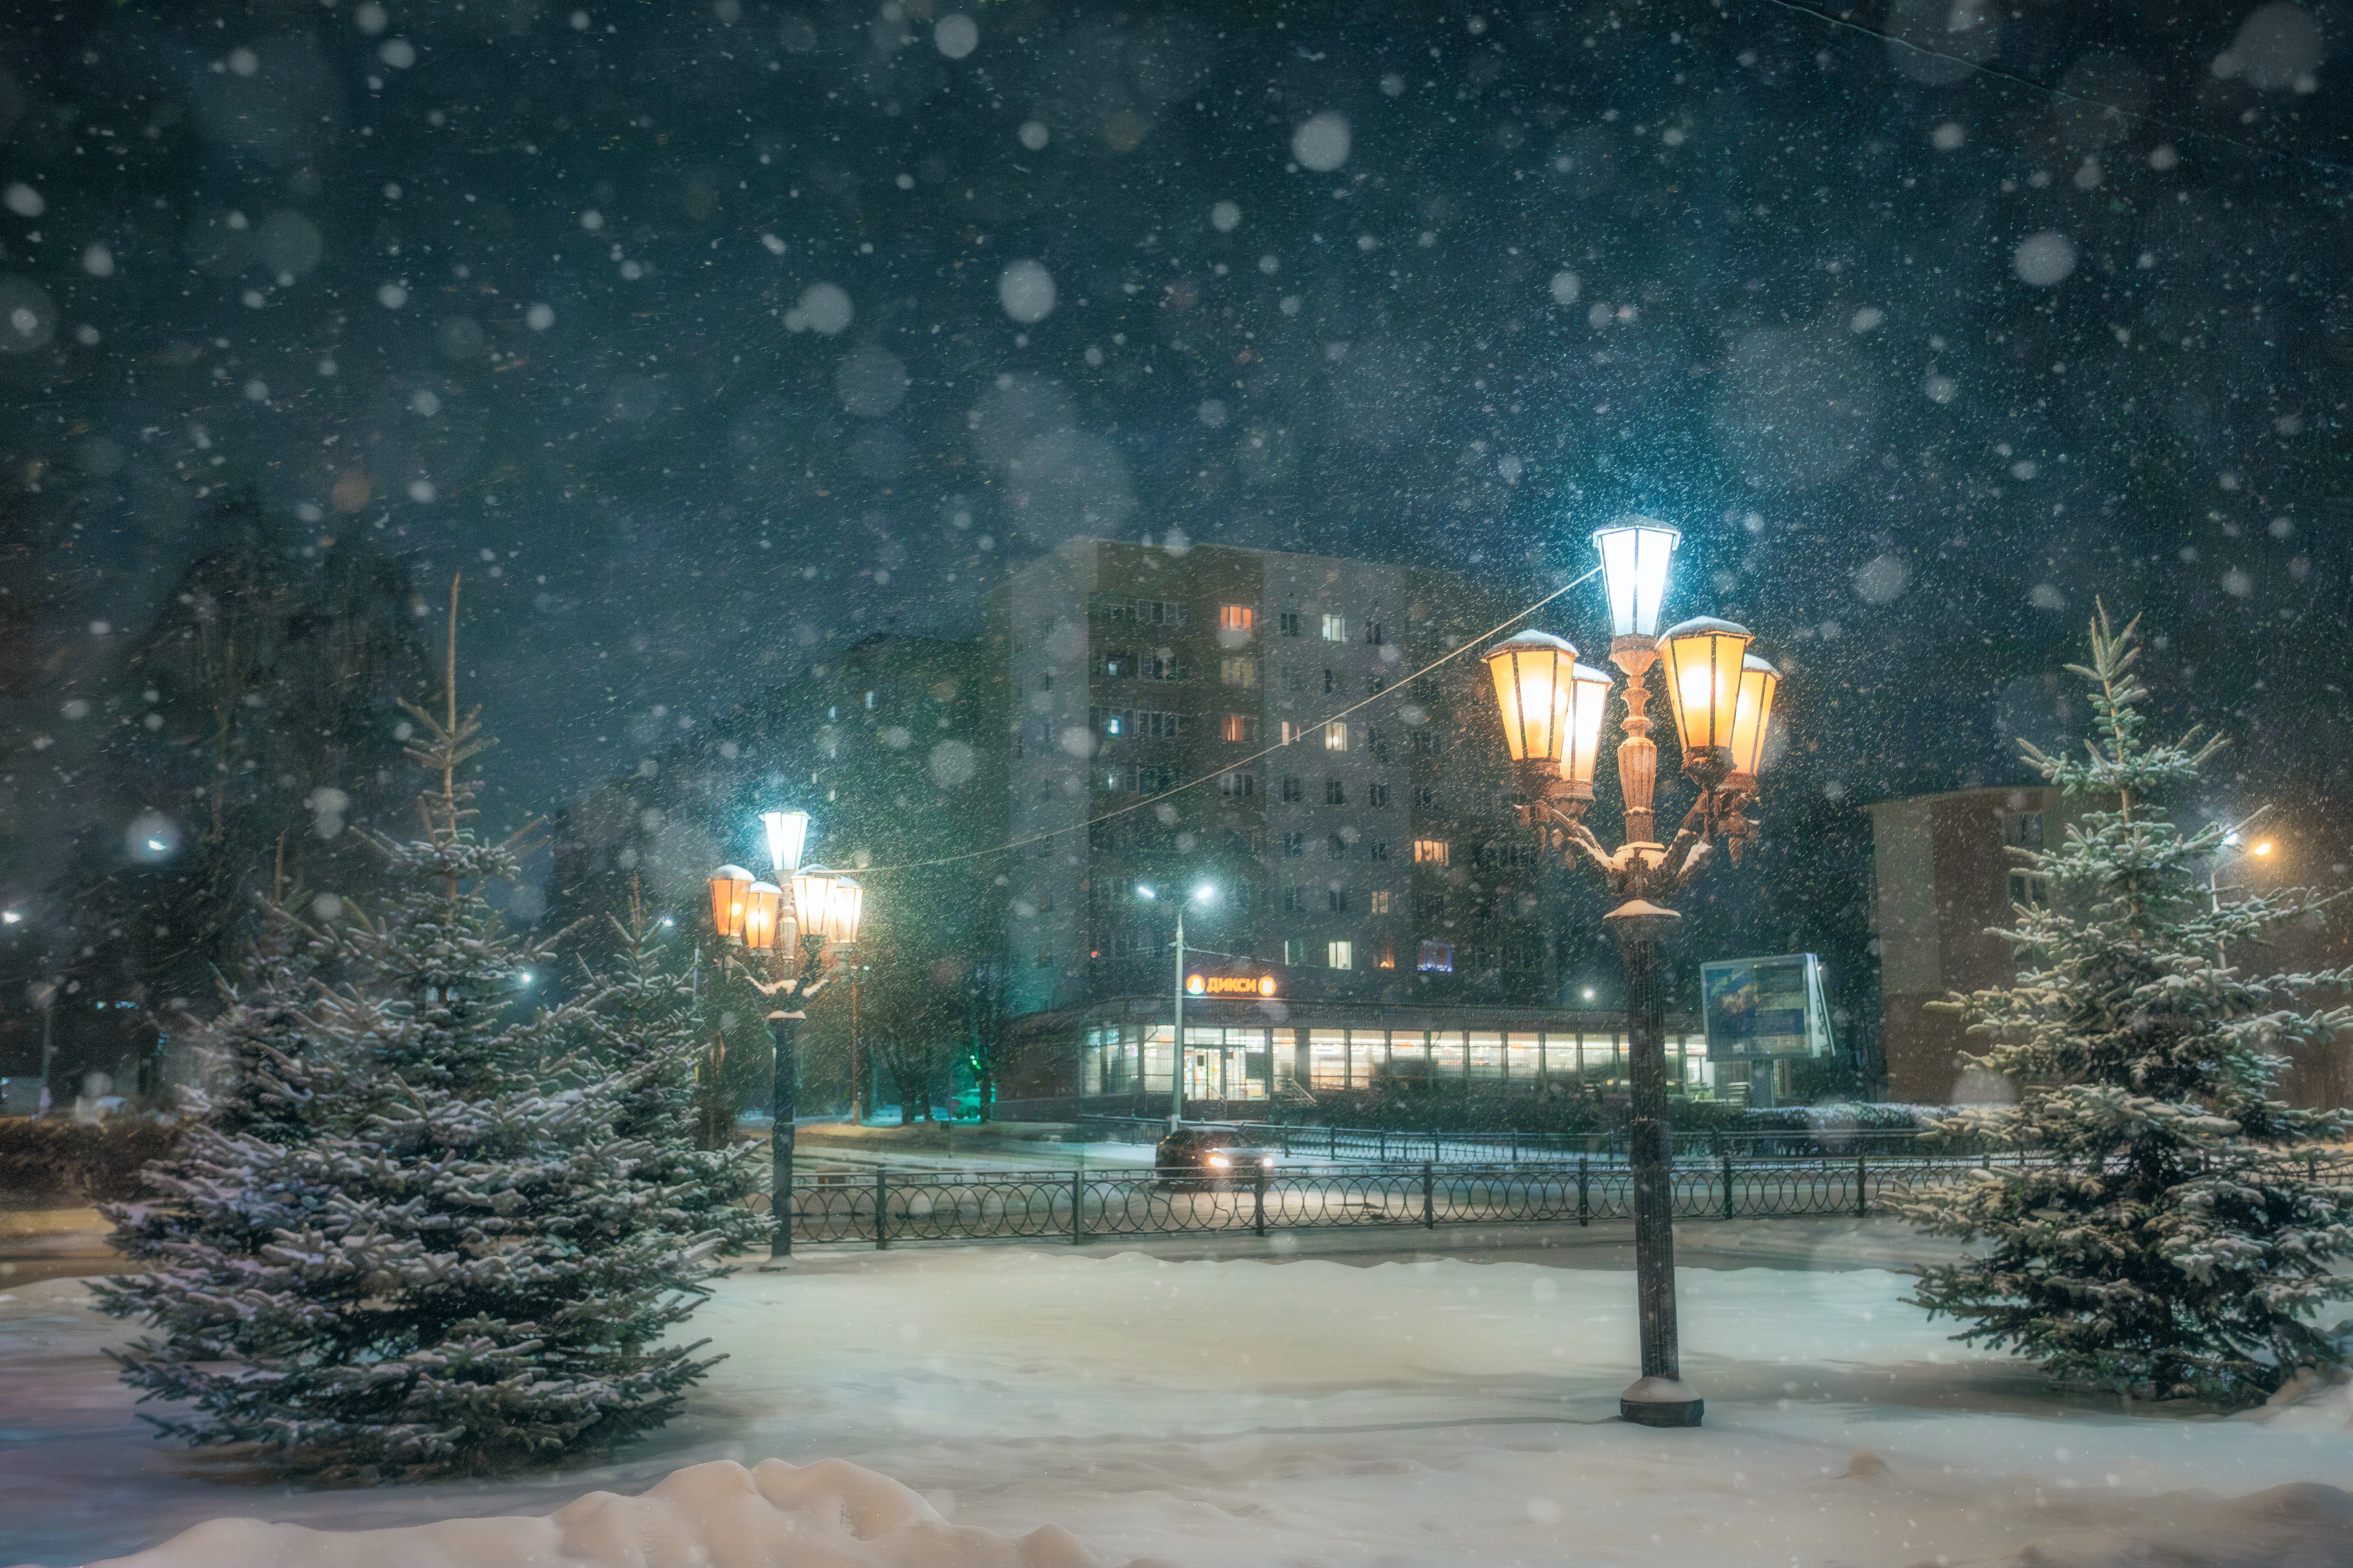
1757	1009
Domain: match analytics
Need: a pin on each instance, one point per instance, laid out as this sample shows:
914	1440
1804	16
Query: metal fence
1394	1144
883	1206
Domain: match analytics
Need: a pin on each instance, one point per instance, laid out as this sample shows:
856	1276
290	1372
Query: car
1211	1159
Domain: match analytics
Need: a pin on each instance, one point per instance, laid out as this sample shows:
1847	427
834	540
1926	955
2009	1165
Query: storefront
1257	1051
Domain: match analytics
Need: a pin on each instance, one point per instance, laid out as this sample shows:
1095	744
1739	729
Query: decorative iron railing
880	1206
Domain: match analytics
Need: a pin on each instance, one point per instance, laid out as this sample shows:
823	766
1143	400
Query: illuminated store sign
1229	985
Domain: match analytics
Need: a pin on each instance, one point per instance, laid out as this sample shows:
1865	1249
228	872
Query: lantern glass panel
1532	690
1758	681
845	910
728	886
762	903
812	891
1703	658
1634	571
1590	698
787	835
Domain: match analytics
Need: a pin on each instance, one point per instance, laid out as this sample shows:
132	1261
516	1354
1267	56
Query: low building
1944	879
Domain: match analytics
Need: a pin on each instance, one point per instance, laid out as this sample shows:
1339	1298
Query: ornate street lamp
802	937
1722	699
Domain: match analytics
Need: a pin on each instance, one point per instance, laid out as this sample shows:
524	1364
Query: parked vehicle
1211	1159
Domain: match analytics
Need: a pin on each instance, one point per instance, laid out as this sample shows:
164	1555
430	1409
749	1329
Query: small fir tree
2175	1230
427	1228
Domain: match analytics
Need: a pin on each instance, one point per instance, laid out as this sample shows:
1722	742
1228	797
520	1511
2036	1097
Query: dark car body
1211	1159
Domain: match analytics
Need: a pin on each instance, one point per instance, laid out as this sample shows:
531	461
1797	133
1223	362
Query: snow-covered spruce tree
466	1253
2173	1235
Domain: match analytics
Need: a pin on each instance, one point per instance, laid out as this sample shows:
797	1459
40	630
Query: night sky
705	337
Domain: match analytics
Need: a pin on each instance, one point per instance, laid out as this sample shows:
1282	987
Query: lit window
1291	733
1335	629
1238	727
1238	671
1430	852
1436	958
1340	955
1335	737
1236	618
1388	957
1381	902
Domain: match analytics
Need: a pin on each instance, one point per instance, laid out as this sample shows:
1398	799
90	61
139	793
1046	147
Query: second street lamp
801	937
1201	895
1722	700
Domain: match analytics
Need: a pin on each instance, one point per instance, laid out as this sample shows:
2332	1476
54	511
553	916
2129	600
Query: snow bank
1433	1412
830	1514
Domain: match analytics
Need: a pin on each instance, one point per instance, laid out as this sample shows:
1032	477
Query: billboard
1757	1009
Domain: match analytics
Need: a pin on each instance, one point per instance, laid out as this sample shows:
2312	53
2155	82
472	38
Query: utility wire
1382	695
2186	132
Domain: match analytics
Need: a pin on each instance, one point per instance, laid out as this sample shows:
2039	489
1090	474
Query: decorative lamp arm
1595	854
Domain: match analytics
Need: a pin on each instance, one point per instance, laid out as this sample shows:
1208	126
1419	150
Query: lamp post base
1661	1402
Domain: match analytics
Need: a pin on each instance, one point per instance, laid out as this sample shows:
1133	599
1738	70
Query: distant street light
803	938
1203	894
1551	708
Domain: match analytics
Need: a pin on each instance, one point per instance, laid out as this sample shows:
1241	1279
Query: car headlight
1219	1161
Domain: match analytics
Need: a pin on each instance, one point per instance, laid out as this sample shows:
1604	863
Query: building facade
1229	723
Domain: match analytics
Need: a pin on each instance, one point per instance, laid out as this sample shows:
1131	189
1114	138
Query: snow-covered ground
1309	1412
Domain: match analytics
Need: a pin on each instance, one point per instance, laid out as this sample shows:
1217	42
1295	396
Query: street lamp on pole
1203	894
2235	842
803	924
1552	708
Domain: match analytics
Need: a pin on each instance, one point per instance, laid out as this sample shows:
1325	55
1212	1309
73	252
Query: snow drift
830	1514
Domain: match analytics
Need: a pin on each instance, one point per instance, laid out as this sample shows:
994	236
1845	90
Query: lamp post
803	924
1201	895
1551	708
